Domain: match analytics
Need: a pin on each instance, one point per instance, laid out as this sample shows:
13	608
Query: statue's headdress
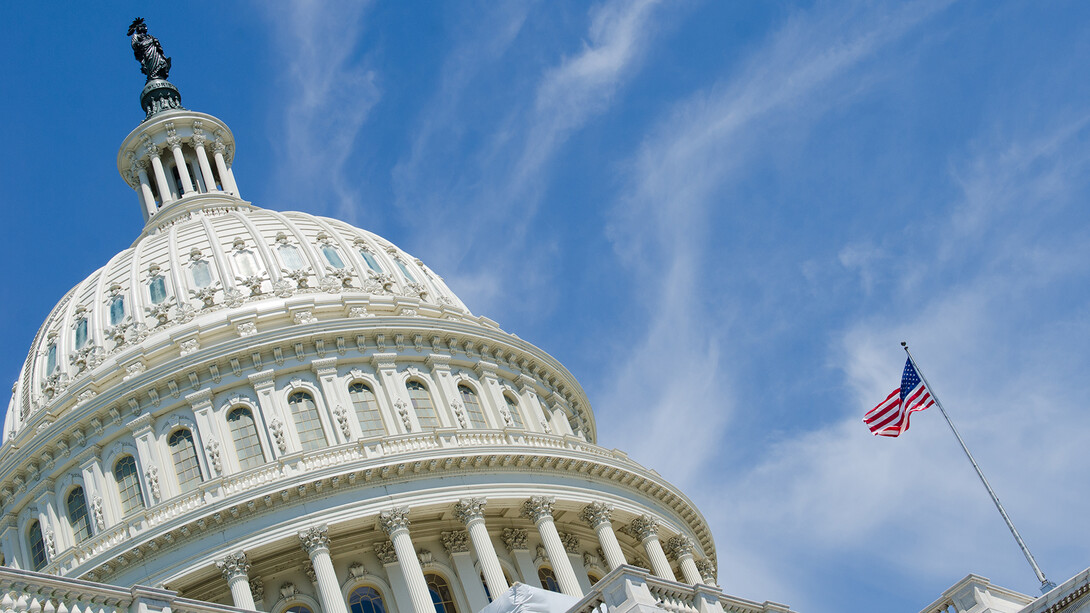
136	24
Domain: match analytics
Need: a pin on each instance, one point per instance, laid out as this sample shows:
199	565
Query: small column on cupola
175	153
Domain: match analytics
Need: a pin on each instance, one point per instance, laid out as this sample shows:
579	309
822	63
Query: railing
628	586
29	592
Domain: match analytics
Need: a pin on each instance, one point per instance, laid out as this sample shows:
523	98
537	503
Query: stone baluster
470	511
598	516
680	547
315	542
645	529
235	568
540	510
395	523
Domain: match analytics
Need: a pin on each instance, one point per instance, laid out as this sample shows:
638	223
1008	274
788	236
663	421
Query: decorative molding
385	552
707	571
514	539
679	546
643	528
570	541
538	508
597	513
315	539
394	520
469	509
234	565
456	541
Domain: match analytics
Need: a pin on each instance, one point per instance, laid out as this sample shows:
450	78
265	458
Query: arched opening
366	405
366	599
472	406
77	514
441	595
422	404
184	453
128	484
307	423
513	409
244	433
37	546
548	579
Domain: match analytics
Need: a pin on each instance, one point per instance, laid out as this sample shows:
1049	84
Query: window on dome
77	515
513	409
117	310
244	433
366	599
201	273
473	407
404	270
422	404
157	289
37	546
307	423
290	256
332	257
548	579
128	484
81	333
184	454
51	359
441	595
372	263
363	400
246	263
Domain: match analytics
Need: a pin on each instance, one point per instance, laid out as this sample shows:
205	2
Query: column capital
234	565
515	539
597	513
538	507
199	398
571	542
384	361
394	520
456	542
707	571
644	527
314	539
437	361
324	366
679	546
263	379
385	552
140	425
469	509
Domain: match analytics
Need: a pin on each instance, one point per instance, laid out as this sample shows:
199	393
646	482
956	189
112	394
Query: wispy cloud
329	93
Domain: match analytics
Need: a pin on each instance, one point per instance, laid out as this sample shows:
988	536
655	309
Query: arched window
128	484
51	359
117	309
473	407
513	409
184	454
366	599
157	289
37	546
594	578
81	333
421	399
372	263
332	256
77	514
246	263
290	256
363	399
548	579
298	608
404	270
307	423
201	273
244	433
441	596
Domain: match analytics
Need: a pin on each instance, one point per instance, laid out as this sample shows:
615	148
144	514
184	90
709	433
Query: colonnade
407	575
203	178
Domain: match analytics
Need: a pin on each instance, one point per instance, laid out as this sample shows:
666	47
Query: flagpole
1046	585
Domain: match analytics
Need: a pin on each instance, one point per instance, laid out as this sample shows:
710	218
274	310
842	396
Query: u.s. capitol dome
283	412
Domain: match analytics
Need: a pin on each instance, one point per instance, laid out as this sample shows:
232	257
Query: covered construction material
522	598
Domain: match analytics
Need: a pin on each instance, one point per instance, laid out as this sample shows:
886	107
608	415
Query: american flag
890	417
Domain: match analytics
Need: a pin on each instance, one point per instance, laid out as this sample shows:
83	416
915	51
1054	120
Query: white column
326	369
147	457
235	567
470	511
680	547
645	529
202	163
457	546
146	195
575	557
264	386
221	166
315	542
99	514
175	144
515	541
10	542
160	176
598	515
388	557
395	523
540	510
231	177
707	572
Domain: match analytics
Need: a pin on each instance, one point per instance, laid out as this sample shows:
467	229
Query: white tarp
522	598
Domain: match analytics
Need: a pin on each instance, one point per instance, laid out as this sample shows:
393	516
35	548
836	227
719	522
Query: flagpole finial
904	344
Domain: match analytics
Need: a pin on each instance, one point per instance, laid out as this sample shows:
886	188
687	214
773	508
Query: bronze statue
153	62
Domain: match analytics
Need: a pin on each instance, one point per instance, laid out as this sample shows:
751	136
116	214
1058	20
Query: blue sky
721	216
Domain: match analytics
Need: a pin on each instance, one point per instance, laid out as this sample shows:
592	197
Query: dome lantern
175	155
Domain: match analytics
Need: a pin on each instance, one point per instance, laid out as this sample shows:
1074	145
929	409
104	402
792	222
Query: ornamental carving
538	508
96	512
283	289
469	509
679	546
342	420
356	570
425	556
288	589
707	571
234	565
403	411
385	552
246	328
304	317
276	427
308	570
596	514
257	588
233	298
456	542
213	449
460	413
514	539
189	346
50	543
314	539
393	520
152	473
570	541
644	527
